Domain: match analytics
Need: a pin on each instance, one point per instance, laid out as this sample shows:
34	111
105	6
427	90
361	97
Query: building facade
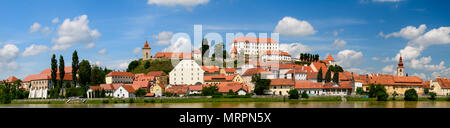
119	77
146	51
187	72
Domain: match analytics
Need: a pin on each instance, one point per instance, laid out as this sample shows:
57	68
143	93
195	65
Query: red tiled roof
220	77
129	88
197	51
230	70
330	58
210	69
11	79
234	50
296	71
120	74
280	82
253	71
155	73
45	77
177	89
150	94
443	82
255	40
395	80
111	86
319	65
95	88
235	86
67	70
277	53
173	55
195	87
140	84
146	46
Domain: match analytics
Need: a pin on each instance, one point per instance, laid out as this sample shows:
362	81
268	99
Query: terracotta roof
443	82
95	88
296	71
195	87
129	88
111	86
255	40
253	71
140	84
345	76
177	89
150	94
400	62
234	50
155	73
230	70
197	51
280	82
319	65
173	55
45	77
395	80
235	86
311	75
120	74
210	69
306	84
146	46
67	70
277	53
11	79
330	58
218	78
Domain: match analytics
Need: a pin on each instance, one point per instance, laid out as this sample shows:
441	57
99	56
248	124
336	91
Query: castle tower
146	51
400	68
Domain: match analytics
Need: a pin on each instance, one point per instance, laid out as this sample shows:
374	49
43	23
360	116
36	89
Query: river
318	104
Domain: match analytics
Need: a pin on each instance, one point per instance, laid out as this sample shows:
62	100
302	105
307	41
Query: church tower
146	51
400	68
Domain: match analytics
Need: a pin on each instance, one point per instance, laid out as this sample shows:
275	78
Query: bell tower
400	68
146	51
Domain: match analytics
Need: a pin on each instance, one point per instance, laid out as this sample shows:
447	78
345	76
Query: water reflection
321	104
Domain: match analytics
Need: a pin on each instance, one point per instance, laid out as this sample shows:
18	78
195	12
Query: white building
254	46
187	72
124	91
276	56
119	77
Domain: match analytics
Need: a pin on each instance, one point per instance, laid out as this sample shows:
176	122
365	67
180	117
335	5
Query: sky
364	36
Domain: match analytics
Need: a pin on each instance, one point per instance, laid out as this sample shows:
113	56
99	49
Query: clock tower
146	51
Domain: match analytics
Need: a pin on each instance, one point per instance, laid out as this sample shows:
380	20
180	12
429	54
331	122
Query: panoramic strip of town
196	75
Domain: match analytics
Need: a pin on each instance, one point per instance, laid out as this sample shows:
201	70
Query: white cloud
338	43
376	58
336	32
349	58
388	69
46	30
421	76
137	50
290	26
163	37
181	45
295	49
35	27
357	70
35	50
55	20
8	54
433	37
409	32
381	34
423	64
90	45
186	3
408	53
103	51
74	31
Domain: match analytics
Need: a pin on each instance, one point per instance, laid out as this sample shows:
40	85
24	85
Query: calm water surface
331	104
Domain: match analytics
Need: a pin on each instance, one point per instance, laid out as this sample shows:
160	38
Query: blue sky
363	35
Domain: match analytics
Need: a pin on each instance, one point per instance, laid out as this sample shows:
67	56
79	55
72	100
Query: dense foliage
260	84
140	92
432	95
305	95
8	92
359	91
411	95
210	91
309	57
75	66
378	91
293	94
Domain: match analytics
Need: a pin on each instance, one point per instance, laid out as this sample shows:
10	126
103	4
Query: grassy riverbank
200	100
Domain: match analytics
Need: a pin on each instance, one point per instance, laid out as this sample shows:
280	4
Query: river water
320	104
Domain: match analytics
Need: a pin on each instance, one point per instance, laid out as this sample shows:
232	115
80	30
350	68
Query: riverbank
202	99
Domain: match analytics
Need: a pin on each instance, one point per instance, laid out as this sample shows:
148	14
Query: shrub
359	91
432	95
394	95
305	95
131	100
293	94
411	95
105	101
382	96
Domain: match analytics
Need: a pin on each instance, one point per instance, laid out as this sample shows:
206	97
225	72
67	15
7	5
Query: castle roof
146	46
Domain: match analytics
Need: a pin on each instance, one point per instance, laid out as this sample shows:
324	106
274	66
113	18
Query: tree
293	94
210	91
411	95
75	66
381	93
61	71
132	65
97	75
260	84
147	64
54	69
205	49
372	91
359	91
426	91
140	92
336	77
394	95
231	92
328	76
320	75
84	72
432	95
305	95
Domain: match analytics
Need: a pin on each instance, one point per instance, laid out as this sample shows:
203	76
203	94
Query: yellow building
157	89
441	86
398	84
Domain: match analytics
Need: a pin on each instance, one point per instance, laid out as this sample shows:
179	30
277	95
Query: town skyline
359	44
